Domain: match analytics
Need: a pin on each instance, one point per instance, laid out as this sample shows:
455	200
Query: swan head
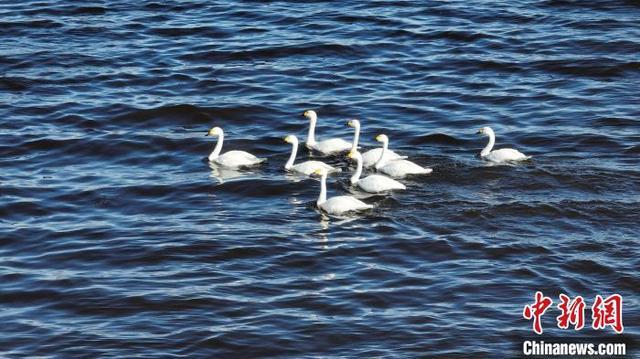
382	138
311	115
216	131
291	139
486	131
319	172
354	155
354	123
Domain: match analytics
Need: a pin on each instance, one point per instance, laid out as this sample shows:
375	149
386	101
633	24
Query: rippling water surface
119	239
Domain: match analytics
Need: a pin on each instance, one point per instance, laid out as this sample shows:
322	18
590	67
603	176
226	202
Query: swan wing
401	168
308	167
370	157
238	159
505	155
378	183
342	204
332	145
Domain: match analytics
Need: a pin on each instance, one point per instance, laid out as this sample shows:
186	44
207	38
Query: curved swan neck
216	151
358	173
311	136
294	152
356	137
385	145
323	189
492	141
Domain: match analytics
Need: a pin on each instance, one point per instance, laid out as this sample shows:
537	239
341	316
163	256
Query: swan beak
479	132
350	123
351	155
379	138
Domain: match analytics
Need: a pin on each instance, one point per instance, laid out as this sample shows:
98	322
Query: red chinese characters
536	310
572	312
607	312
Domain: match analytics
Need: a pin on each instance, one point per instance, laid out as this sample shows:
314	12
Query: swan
501	155
327	147
338	204
231	159
370	157
397	168
306	167
372	183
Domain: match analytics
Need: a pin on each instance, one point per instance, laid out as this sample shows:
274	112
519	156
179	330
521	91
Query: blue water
117	238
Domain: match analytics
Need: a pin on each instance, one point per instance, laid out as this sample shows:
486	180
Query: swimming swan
231	159
338	204
501	155
370	157
306	167
397	168
372	183
330	146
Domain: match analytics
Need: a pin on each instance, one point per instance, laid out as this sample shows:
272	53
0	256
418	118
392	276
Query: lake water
118	239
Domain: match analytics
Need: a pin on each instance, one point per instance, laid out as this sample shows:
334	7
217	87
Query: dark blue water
117	239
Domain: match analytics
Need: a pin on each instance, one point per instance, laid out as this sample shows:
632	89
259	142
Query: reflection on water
222	173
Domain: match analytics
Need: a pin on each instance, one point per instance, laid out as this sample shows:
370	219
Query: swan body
231	159
339	204
372	156
501	155
373	183
397	168
306	167
327	147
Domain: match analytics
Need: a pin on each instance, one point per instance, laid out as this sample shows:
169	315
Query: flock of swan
388	165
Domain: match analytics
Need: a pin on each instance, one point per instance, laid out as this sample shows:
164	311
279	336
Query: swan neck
356	138
356	176
385	145
492	141
311	136
292	158
216	151
323	190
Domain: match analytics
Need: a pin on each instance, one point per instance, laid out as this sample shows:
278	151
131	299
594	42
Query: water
119	240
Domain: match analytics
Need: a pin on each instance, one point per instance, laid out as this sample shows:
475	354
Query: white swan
327	147
231	159
501	155
306	167
370	157
397	168
372	183
338	204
